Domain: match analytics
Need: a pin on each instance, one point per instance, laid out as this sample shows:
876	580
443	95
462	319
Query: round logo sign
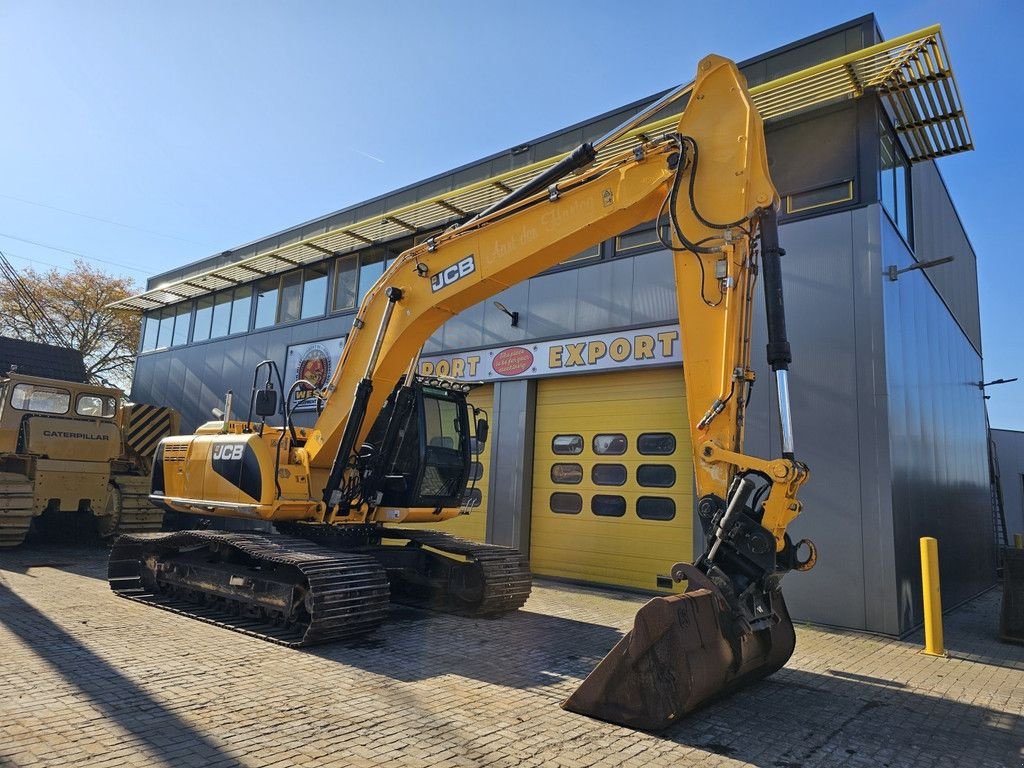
512	361
315	367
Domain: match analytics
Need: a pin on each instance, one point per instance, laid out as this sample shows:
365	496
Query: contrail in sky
366	154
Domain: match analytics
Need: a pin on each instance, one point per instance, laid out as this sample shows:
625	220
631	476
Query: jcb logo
447	276
228	452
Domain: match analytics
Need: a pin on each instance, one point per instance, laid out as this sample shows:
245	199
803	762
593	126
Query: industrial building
588	466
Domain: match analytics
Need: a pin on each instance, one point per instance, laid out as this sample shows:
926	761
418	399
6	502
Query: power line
73	253
105	221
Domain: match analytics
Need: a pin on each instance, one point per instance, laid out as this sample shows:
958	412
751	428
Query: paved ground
90	679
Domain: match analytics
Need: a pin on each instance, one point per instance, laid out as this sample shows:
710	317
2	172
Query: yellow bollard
932	601
1018	540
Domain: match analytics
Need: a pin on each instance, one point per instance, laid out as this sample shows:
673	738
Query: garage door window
567	445
608	474
656	475
608	506
472	498
476	471
655	508
610	445
656	444
566	474
566	503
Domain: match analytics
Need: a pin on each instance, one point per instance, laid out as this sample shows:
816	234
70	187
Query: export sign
580	354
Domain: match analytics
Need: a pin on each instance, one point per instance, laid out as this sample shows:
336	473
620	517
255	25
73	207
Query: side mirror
266	402
482	428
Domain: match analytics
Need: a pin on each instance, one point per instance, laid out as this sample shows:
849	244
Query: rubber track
507	580
350	592
138	515
16	502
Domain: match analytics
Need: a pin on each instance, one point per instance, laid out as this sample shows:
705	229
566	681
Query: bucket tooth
683	651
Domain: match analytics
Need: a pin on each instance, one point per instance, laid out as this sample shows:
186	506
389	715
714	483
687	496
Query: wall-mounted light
894	273
982	384
514	315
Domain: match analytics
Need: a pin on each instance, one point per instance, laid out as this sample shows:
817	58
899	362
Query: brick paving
90	679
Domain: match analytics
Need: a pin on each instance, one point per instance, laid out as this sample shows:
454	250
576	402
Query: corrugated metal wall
937	438
1010	448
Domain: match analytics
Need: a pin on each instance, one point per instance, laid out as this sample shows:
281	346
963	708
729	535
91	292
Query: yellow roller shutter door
613	479
474	525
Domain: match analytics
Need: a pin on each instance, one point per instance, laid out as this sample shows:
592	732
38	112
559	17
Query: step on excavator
392	448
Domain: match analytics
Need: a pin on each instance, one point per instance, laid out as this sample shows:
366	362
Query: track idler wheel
683	651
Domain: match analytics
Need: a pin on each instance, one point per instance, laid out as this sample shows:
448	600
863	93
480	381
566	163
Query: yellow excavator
393	447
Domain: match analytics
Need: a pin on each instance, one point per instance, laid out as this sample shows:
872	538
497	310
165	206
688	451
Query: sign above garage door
618	350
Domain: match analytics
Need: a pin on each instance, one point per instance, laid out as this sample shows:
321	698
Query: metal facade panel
513	413
937	440
939	233
819	282
1010	452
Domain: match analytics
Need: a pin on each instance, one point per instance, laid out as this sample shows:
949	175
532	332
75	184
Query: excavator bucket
683	651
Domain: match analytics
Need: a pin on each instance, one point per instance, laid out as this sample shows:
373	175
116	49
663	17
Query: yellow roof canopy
911	75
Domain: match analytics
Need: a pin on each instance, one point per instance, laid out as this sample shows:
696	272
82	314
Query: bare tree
67	309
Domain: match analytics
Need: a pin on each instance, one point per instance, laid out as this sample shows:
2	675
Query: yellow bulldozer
70	448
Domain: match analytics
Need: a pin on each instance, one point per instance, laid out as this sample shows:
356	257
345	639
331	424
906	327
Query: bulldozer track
504	573
16	502
347	594
138	515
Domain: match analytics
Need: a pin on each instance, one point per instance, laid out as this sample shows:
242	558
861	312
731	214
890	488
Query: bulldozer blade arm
683	651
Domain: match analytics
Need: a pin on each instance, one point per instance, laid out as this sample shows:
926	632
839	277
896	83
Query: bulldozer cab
59	419
418	451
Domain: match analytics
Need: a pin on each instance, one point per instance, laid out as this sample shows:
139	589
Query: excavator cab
417	454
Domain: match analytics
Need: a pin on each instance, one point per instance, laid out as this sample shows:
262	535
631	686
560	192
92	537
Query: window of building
605	505
41	399
96	405
204	316
590	253
371	267
641	238
241	301
346	283
610	445
182	318
655	508
567	445
314	291
566	503
566	474
608	474
656	475
150	327
656	443
266	302
894	180
290	304
166	328
221	325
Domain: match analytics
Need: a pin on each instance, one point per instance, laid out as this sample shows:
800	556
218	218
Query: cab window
96	405
32	397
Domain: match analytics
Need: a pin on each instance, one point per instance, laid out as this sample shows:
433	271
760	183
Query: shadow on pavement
89	560
117	697
798	719
518	650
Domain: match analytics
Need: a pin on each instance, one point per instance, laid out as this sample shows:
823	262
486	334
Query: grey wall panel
1010	453
937	440
818	276
511	479
938	232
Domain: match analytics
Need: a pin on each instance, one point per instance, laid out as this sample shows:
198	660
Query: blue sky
145	135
